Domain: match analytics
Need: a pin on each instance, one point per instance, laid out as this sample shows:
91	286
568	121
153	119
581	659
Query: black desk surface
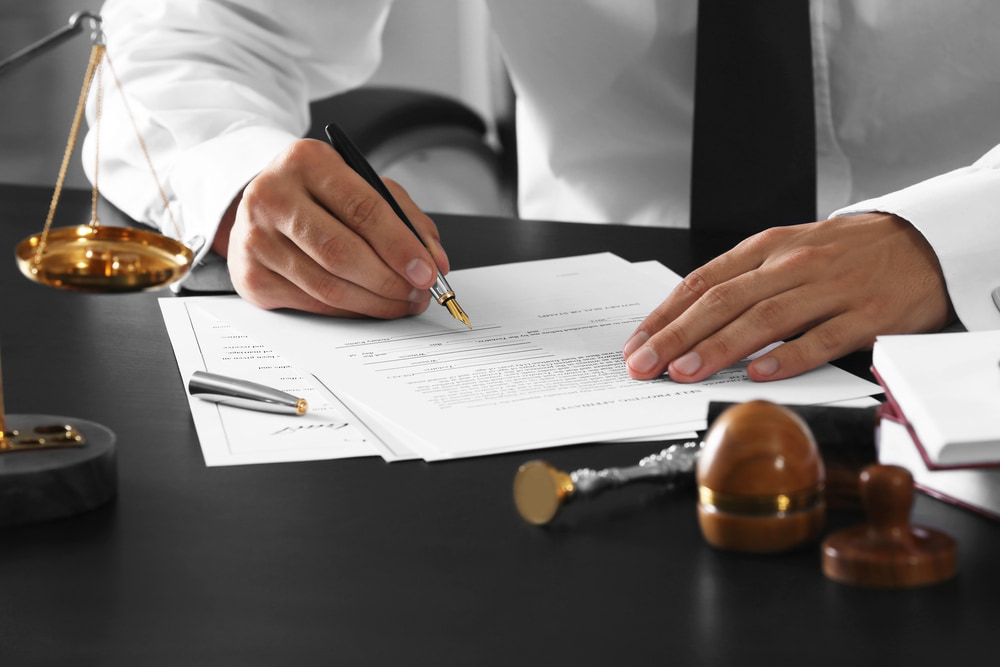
360	562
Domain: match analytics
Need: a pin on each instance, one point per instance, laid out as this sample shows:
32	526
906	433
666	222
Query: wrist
220	244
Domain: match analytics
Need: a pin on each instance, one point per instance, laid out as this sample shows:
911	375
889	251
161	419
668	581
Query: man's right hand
309	233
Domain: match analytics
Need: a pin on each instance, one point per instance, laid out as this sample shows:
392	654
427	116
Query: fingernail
419	272
765	366
633	343
417	295
644	360
688	364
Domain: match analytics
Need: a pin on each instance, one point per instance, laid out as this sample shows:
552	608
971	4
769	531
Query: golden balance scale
53	466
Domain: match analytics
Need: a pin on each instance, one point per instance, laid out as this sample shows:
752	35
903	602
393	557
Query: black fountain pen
440	290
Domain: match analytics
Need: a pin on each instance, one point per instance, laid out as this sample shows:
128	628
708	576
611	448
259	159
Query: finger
270	213
319	246
287	277
717	324
270	290
771	319
425	227
825	342
747	256
355	203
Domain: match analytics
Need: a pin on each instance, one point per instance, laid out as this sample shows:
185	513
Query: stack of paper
231	436
541	367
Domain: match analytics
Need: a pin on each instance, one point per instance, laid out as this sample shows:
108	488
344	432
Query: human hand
838	282
310	234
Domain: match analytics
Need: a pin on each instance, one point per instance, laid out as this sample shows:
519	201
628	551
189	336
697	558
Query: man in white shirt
906	95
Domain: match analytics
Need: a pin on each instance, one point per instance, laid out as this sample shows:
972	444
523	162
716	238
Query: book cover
947	389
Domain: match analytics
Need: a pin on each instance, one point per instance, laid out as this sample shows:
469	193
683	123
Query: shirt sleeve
215	89
959	214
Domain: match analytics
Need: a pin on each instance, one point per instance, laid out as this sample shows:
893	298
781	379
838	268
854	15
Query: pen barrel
441	290
243	394
355	159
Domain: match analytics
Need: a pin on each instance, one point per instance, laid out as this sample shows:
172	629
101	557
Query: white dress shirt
907	104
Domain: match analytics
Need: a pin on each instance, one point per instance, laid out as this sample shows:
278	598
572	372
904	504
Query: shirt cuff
207	177
957	214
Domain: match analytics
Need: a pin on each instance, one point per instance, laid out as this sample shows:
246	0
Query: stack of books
942	420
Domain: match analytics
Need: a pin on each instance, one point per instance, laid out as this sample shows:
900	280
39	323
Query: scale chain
98	56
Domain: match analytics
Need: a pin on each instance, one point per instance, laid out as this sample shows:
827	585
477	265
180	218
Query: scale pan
95	258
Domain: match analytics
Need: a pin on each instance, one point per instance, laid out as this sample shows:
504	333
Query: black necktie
754	153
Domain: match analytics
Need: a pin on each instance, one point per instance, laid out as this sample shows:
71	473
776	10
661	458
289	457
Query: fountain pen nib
457	312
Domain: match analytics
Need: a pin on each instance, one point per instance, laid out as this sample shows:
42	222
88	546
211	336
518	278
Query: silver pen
244	394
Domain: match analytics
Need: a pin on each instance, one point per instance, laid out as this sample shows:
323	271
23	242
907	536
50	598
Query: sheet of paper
231	435
541	367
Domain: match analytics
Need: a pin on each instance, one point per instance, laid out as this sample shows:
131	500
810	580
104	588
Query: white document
541	367
231	435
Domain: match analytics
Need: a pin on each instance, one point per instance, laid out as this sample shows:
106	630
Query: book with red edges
975	489
945	389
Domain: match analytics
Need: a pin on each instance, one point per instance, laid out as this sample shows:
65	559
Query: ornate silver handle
540	490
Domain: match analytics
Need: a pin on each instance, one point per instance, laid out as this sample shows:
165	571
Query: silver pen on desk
244	394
